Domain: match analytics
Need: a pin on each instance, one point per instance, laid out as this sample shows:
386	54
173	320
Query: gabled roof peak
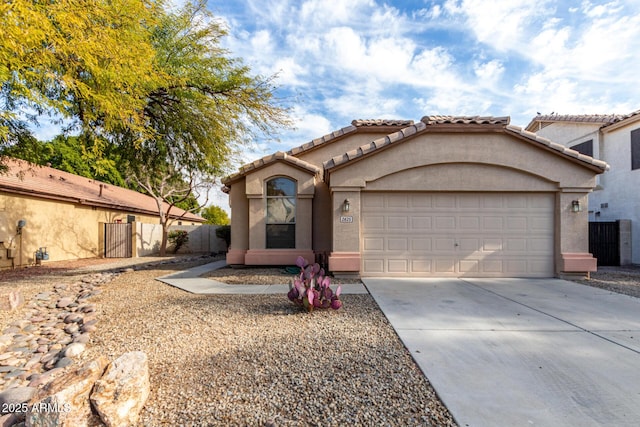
267	160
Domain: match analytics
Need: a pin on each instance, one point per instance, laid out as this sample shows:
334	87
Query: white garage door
457	234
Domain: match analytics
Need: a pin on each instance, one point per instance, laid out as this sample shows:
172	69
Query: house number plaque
346	219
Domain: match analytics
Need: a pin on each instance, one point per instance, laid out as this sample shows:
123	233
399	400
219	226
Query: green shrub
178	238
224	233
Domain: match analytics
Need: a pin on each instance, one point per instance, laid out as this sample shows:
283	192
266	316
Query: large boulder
123	390
65	400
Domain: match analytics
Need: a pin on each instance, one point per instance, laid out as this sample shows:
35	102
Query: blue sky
339	60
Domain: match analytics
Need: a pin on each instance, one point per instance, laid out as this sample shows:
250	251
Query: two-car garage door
457	234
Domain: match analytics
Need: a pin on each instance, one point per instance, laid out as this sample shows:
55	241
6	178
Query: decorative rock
71	328
123	390
11	301
88	308
82	338
63	302
68	393
64	362
87	328
74	349
73	318
14	397
43	296
39	379
9	420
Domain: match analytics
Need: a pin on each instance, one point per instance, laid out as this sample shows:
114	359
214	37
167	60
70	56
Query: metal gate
604	242
117	240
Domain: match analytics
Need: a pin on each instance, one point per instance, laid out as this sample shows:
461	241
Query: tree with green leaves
150	89
211	106
215	215
91	62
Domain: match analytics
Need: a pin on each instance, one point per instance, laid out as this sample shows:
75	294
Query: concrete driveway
521	352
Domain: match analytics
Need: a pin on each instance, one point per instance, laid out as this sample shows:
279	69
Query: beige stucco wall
248	238
67	230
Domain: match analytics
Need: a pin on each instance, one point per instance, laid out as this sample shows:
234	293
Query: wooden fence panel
117	240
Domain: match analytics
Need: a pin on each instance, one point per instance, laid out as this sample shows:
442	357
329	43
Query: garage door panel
373	244
398	266
493	223
373	266
421	266
444	245
373	223
469	266
469	223
398	244
445	265
454	234
421	245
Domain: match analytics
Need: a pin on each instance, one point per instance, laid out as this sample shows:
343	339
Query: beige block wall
67	230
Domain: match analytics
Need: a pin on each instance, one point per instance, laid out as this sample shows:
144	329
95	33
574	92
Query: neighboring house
65	213
447	196
614	139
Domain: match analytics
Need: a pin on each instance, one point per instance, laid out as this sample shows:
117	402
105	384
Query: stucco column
344	259
573	234
239	224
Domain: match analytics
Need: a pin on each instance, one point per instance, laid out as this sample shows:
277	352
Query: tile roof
267	160
381	122
323	140
355	124
459	121
49	183
466	120
603	119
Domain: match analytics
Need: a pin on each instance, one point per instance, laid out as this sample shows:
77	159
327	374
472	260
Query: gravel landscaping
623	280
256	360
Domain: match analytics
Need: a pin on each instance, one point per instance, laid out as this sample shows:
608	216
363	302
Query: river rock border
55	330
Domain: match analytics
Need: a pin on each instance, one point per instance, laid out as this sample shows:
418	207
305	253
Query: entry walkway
191	281
519	352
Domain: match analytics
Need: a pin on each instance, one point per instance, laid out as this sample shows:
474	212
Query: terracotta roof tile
466	120
355	124
267	160
322	140
46	182
381	122
602	119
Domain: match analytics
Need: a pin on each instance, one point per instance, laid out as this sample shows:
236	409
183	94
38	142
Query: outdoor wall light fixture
21	224
346	205
575	206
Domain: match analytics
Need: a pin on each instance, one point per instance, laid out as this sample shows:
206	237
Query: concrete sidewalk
519	352
191	281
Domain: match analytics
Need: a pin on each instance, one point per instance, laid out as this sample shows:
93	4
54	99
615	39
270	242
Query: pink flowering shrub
311	288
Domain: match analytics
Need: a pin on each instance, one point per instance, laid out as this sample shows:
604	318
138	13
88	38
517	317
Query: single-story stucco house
446	196
42	207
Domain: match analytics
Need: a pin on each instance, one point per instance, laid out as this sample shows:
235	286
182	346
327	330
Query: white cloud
489	71
369	59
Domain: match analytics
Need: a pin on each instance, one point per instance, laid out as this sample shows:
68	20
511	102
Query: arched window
281	213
